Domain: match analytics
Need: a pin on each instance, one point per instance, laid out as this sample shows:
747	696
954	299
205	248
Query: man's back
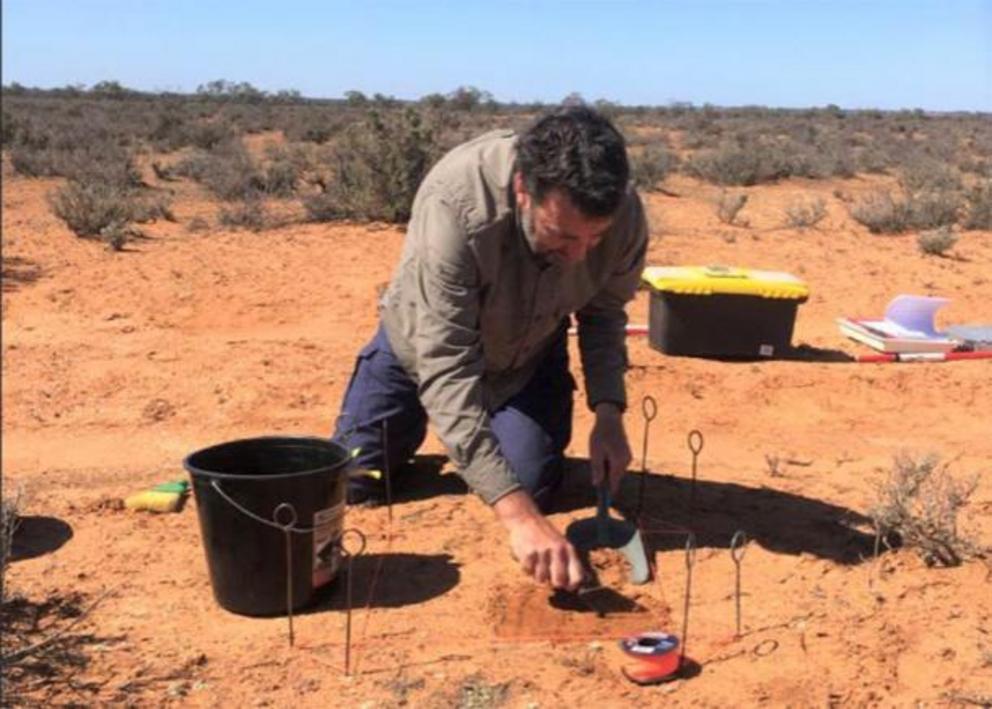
466	230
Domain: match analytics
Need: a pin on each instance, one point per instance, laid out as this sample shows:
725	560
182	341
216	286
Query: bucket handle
291	527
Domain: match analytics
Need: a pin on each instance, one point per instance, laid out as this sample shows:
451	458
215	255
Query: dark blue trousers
533	427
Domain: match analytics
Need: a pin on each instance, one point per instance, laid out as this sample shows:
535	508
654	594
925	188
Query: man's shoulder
474	178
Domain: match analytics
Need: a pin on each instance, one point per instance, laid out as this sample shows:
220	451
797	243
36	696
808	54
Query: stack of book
907	327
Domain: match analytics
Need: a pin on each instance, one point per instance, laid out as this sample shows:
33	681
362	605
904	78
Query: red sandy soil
117	365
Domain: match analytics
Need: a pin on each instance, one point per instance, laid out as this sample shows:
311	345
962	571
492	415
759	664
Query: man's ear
520	190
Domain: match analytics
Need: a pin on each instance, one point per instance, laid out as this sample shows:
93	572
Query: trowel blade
640	569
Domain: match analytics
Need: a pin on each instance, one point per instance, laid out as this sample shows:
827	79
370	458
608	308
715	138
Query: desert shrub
377	167
729	165
652	165
978	166
283	169
166	173
873	160
197	224
883	214
231	173
831	158
87	208
106	163
9	519
728	205
930	209
193	166
936	242
228	172
103	161
279	178
801	214
170	132
8	128
249	213
980	206
118	234
917	506
34	162
151	208
750	160
323	207
311	127
928	175
208	135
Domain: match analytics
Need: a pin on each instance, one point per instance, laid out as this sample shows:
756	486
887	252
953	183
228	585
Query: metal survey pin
690	559
387	474
285	518
349	555
738	546
649	408
695	440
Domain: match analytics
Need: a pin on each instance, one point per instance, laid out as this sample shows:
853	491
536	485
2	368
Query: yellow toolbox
721	311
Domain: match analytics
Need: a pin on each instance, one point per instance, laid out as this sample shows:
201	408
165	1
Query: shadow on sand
36	536
779	521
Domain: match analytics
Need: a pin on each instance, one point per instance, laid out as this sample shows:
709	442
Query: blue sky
890	54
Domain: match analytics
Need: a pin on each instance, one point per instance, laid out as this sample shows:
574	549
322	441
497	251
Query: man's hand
608	446
540	548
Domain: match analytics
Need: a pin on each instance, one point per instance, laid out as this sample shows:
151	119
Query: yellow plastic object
167	497
725	280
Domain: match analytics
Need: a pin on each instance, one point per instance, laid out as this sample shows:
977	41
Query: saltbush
936	242
651	166
980	206
87	208
377	167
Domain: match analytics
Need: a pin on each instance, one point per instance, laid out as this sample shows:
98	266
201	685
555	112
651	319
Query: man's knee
380	407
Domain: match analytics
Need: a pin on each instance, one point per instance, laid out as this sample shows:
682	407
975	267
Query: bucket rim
195	471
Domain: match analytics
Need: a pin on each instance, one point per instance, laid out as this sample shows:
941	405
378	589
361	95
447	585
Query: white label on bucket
766	350
326	549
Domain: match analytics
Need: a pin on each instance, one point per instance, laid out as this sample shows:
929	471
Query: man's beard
547	257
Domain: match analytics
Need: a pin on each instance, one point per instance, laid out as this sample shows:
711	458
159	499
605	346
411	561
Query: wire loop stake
386	472
738	546
349	555
287	528
695	441
649	408
690	559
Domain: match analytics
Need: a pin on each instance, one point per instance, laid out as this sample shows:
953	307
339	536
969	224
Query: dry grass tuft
936	242
802	214
728	206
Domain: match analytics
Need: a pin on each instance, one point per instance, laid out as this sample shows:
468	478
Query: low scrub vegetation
362	156
980	206
805	213
917	507
884	214
376	168
728	206
652	165
248	213
936	242
87	208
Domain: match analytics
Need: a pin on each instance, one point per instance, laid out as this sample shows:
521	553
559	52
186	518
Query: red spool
655	657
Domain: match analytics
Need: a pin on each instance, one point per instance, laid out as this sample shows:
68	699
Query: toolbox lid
726	280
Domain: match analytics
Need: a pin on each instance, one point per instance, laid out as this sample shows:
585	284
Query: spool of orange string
653	657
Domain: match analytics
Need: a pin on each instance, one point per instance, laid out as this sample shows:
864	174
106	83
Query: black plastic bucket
248	493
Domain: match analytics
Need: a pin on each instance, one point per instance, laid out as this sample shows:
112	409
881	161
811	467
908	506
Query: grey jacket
471	309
